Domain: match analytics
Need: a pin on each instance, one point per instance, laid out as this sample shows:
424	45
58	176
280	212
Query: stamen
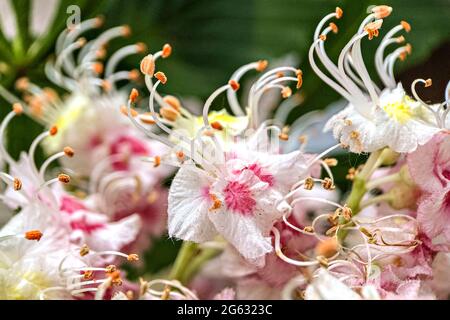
134	94
372	28
299	75
169	113
68	151
280	254
161	77
84	250
405	26
382	11
173	102
17	184
133	257
216	125
339	13
17	108
234	85
124	111
166	51
53	130
148	65
33	235
157	161
64	178
333	27
262	65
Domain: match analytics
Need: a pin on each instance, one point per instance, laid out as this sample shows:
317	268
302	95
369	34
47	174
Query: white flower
28	267
374	118
326	287
240	200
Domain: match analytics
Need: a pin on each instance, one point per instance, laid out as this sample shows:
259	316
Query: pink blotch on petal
84	225
70	204
127	144
238	198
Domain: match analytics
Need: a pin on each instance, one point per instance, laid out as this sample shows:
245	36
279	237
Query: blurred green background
210	39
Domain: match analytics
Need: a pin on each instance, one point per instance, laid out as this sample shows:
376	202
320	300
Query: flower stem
374	200
187	252
197	263
396	177
359	187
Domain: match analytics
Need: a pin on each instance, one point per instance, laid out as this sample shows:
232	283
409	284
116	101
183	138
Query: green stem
377	199
197	263
396	177
187	252
359	187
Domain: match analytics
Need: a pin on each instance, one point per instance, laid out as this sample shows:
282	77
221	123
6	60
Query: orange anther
262	65
148	65
166	51
33	235
161	77
234	85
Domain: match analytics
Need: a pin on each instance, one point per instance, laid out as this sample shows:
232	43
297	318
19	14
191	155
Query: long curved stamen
341	77
387	40
67	152
295	188
440	121
371	30
236	76
322	22
100	168
210	100
280	254
392	58
147	132
17	109
32	235
290	225
89	52
299	199
69	36
353	45
258	94
324	153
349	67
64	60
271	75
158	122
370	18
186	293
324	77
122	54
285	108
62	178
36	142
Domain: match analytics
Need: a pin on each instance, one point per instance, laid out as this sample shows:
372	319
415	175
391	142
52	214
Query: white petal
188	208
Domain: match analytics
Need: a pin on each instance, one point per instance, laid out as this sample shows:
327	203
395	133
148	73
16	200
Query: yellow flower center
24	286
400	111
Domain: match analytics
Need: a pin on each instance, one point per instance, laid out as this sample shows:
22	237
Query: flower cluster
260	218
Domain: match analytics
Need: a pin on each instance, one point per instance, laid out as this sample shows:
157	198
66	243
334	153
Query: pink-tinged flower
225	294
240	199
96	229
32	243
325	286
441	274
120	194
430	168
226	186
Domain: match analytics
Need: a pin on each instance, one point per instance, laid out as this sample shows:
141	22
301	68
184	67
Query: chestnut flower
375	118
